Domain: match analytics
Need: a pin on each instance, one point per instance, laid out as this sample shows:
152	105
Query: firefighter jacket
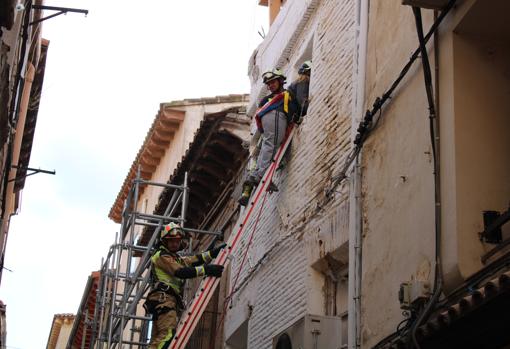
165	264
299	91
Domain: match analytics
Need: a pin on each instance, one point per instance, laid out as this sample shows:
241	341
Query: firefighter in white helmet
169	271
274	113
299	90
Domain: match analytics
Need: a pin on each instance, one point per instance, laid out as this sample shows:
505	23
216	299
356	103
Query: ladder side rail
208	285
129	252
185	195
110	273
114	288
130	312
100	301
137	319
100	298
132	306
116	262
145	260
125	222
176	197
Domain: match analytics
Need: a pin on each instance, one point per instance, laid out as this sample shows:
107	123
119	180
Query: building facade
400	240
388	229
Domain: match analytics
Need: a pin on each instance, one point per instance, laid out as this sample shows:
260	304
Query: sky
106	75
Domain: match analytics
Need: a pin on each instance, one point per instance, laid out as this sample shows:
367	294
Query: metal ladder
192	314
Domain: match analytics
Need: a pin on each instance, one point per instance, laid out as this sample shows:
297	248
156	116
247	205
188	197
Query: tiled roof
31	119
213	158
458	324
161	133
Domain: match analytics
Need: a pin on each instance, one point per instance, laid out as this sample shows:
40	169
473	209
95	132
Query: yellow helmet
172	231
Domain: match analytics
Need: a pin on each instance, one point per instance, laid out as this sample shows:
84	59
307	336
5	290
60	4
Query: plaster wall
482	96
397	177
397	183
283	276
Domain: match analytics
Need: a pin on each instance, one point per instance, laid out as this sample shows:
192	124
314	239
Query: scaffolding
125	272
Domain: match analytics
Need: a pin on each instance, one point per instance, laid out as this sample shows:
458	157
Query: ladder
208	285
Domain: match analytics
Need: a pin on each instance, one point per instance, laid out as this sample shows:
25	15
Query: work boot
282	164
272	188
245	196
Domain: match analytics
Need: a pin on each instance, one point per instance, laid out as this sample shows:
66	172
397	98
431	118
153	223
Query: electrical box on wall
311	332
432	4
412	293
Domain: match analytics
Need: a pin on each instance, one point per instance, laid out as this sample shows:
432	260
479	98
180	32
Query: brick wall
276	277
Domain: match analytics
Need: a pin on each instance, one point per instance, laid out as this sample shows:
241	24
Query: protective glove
216	250
213	270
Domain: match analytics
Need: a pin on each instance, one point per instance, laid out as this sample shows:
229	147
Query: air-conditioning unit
311	332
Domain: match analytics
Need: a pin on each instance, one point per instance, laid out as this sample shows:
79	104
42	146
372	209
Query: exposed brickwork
275	278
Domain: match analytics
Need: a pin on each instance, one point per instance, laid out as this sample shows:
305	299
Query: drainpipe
355	227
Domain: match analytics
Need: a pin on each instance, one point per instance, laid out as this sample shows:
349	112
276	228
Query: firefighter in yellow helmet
169	271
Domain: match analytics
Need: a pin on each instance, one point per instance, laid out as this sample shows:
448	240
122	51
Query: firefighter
272	119
299	90
169	271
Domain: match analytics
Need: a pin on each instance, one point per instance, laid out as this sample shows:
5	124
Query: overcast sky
105	77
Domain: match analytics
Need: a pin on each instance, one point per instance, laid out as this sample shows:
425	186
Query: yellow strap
286	101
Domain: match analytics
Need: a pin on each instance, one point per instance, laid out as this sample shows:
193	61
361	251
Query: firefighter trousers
164	320
274	124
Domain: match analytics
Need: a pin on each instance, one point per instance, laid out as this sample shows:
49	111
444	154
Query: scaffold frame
123	284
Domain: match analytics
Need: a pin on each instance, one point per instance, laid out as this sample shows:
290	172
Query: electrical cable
366	125
438	277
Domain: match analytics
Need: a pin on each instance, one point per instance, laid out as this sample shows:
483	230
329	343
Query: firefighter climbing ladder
124	283
191	316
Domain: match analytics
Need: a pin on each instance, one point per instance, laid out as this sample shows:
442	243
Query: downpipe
355	224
